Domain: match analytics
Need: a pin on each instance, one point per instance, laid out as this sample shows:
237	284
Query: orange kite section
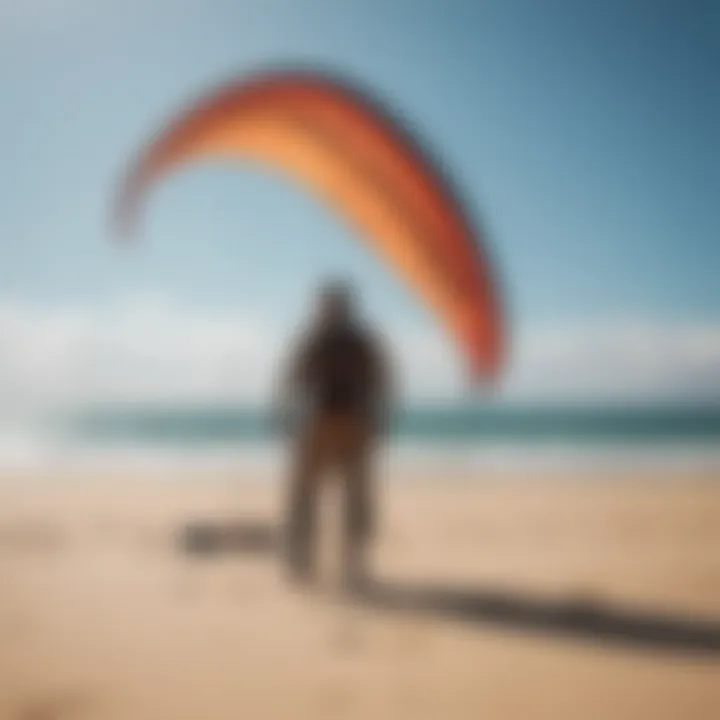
347	149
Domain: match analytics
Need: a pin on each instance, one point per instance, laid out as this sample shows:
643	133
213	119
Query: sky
585	135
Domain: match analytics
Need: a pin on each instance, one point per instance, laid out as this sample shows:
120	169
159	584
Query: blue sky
584	134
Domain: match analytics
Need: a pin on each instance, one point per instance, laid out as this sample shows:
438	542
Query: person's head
335	302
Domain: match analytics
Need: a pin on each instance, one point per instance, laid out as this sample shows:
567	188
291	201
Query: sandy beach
546	599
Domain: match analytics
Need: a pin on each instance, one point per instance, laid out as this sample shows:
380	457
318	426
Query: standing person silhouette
338	380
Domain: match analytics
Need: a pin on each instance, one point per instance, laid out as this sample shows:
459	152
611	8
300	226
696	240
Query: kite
365	165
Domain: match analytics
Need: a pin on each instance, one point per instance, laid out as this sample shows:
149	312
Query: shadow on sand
583	619
253	537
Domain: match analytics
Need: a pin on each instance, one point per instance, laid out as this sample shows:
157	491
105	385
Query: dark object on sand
212	538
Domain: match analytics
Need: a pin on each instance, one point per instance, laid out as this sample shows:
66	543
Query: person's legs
359	518
301	512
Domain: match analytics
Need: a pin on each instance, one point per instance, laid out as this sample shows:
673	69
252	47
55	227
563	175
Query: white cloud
152	349
146	349
620	358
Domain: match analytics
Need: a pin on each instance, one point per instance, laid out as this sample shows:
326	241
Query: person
338	382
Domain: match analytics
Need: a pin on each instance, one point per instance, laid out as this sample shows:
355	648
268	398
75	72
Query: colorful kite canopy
344	147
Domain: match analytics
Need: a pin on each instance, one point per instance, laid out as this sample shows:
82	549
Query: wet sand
551	598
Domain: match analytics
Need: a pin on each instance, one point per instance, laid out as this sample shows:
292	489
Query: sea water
429	438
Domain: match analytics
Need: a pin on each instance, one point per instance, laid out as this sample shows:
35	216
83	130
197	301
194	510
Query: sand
555	598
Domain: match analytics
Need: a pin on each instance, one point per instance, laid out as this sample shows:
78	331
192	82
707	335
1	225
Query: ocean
431	438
